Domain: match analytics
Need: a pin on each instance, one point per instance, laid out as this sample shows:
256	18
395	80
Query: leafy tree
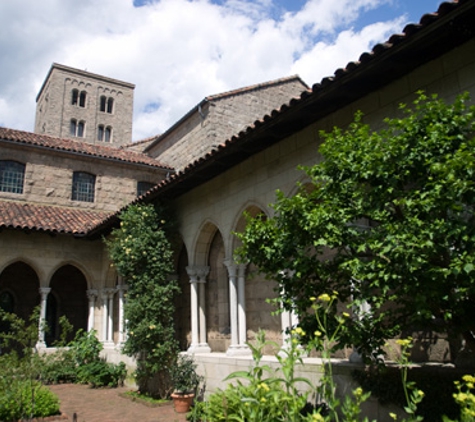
387	222
142	253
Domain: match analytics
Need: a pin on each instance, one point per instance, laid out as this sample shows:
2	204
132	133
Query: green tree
388	221
142	253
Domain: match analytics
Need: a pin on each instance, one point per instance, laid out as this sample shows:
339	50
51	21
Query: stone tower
85	107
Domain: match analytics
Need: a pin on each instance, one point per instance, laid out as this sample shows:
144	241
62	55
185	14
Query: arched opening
19	281
217	297
69	299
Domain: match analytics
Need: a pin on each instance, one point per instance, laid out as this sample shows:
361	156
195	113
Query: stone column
91	295
110	319
122	288
242	323
44	291
233	309
197	276
106	295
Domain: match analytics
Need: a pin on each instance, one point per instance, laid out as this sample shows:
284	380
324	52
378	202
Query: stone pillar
241	292
197	276
233	309
91	295
122	288
107	308
44	291
110	319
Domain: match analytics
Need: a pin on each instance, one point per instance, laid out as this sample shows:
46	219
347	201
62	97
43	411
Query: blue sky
177	52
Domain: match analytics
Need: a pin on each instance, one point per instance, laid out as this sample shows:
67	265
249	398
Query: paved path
106	405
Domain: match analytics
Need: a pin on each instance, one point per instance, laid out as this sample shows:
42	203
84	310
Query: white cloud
175	51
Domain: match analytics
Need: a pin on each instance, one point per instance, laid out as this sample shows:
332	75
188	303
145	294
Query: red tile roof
71	146
49	219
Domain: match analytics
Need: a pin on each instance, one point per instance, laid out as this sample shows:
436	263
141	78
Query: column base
238	350
41	345
196	349
108	344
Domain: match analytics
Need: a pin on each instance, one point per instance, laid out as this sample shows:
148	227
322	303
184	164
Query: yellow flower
317	333
263	400
404	342
324	297
316	417
469	378
313	298
346	314
393	415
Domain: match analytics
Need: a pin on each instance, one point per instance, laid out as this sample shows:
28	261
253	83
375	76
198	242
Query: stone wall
55	110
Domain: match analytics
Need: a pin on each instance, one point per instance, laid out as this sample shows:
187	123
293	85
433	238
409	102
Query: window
143	187
77	128
106	104
11	176
78	98
104	134
75	97
83	186
110	104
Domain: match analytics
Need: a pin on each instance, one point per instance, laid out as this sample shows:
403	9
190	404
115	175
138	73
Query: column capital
231	266
197	273
107	293
92	293
44	291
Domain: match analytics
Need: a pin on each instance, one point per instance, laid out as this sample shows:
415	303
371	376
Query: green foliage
388	218
24	399
465	398
21	395
101	374
260	394
183	375
141	251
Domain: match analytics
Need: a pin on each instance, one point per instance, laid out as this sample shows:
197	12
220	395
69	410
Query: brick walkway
106	405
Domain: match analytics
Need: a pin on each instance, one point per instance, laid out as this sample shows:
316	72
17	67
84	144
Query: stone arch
251	208
75	264
68	298
30	262
202	244
21	280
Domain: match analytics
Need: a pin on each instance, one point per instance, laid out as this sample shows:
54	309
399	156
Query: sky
177	52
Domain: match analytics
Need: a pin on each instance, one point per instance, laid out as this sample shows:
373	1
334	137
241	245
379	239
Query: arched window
100	132
103	103
78	99
110	105
104	134
77	128
106	104
12	175
108	134
81	128
83	187
143	187
82	99
75	97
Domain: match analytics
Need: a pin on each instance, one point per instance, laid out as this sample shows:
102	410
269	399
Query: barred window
12	175
83	186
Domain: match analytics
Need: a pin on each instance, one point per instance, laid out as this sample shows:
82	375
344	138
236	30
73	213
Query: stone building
86	107
242	164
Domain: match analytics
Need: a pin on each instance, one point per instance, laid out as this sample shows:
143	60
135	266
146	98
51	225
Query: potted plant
185	381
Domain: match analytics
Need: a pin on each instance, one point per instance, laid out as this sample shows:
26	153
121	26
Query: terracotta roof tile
69	145
49	219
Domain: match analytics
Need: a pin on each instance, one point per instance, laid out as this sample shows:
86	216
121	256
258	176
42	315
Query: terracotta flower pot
182	402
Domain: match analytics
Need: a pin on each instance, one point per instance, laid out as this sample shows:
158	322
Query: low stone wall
215	367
